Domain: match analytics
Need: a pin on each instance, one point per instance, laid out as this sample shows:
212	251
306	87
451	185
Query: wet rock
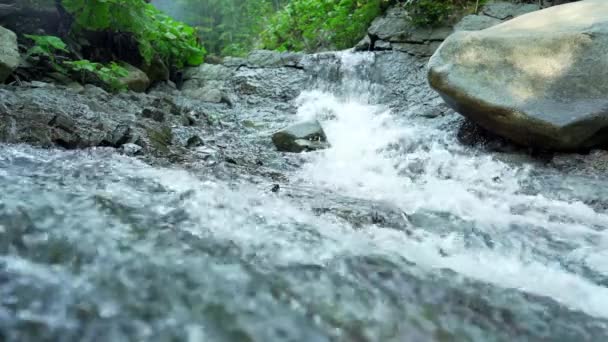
9	53
304	136
382	45
39	84
194	141
503	10
208	93
542	87
31	16
76	87
160	138
394	30
475	22
136	80
163	88
55	116
364	45
392	24
157	70
261	84
154	114
119	136
131	149
94	90
189	119
420	50
266	59
208	72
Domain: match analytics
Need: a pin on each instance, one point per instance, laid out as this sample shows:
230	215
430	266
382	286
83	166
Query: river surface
396	233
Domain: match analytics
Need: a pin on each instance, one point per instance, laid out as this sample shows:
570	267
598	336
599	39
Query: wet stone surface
115	226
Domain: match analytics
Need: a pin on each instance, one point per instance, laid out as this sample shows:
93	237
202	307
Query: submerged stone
304	136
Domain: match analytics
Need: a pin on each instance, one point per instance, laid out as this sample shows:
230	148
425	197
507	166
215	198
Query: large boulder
9	53
538	79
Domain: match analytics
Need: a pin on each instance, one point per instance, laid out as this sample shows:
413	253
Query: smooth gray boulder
303	136
538	80
136	80
9	53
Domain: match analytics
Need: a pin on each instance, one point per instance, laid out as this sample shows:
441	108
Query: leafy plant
432	13
47	47
157	34
313	24
109	75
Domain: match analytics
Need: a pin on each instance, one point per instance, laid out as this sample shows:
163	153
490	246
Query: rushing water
396	233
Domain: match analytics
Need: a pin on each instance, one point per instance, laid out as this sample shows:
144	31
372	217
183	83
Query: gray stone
194	141
364	44
392	24
136	80
154	114
76	87
208	72
207	93
419	50
538	80
503	10
382	45
9	53
30	16
234	61
304	136
157	70
266	58
131	149
475	22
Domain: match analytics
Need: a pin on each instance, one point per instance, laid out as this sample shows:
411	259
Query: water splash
396	157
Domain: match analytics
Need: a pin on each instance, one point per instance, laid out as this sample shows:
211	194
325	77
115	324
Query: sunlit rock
9	53
538	79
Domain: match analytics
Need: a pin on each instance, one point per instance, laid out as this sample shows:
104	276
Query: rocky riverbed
170	215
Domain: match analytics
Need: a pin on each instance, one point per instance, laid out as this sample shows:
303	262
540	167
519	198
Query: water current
396	233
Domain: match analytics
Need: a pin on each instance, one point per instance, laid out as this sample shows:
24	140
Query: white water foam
482	191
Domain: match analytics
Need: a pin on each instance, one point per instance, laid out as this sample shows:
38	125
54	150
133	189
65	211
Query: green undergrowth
310	25
53	51
157	34
431	13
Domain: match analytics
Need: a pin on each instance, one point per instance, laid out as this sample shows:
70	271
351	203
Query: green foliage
312	24
432	13
46	45
157	34
109	75
228	27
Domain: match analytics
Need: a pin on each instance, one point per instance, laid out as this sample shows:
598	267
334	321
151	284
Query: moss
433	13
160	139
